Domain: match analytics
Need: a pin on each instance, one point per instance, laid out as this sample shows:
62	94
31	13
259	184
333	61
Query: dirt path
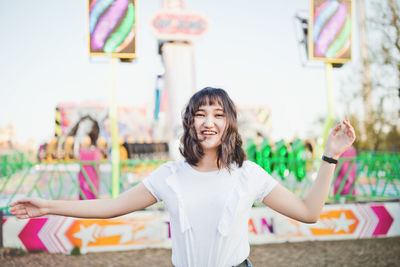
366	252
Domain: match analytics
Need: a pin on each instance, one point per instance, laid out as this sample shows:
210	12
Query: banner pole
331	114
115	160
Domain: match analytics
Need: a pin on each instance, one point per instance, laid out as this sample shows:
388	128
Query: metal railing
13	162
369	176
375	177
70	180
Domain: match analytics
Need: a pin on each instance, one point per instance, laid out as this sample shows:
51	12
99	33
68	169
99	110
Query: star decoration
342	223
86	235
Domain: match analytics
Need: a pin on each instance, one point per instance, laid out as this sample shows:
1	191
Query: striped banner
57	234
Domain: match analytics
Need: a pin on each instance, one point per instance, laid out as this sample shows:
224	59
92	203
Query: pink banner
89	154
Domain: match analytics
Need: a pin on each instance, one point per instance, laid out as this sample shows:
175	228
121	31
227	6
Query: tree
379	128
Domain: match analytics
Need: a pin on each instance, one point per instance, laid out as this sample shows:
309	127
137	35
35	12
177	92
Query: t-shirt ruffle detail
172	182
239	190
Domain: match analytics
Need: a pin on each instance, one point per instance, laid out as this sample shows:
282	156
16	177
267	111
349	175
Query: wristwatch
329	160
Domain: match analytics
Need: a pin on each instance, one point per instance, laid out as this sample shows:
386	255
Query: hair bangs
207	98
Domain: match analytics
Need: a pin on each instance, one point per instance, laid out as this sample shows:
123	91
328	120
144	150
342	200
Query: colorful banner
82	119
56	234
112	28
181	25
254	120
330	30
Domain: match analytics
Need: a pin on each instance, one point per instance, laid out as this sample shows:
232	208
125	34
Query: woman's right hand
29	208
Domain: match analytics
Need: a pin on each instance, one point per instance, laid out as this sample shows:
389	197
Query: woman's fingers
19	212
19	202
24	209
17	208
337	129
15	203
20	206
347	123
349	129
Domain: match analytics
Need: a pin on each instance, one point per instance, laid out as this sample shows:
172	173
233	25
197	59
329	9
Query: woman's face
210	122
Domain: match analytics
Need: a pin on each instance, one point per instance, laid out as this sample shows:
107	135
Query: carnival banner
57	234
112	26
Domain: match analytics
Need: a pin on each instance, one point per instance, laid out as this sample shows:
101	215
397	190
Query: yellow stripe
58	130
58	115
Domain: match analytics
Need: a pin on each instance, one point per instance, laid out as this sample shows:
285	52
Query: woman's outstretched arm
134	199
308	209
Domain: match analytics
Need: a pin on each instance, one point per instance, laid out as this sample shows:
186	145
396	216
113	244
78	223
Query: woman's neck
208	162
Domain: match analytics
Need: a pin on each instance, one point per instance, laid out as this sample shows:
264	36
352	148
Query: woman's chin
210	148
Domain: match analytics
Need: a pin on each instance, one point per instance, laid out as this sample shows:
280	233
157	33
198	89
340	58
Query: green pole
114	135
331	116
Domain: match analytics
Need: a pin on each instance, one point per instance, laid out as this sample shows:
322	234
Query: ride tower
176	29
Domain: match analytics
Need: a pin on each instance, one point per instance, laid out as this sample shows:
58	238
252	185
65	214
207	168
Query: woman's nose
209	122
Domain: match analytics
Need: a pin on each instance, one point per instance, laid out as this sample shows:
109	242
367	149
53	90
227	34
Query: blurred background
91	95
253	50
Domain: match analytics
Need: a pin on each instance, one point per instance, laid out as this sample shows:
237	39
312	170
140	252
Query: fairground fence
367	177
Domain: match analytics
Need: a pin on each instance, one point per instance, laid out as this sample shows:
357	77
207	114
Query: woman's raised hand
339	141
29	208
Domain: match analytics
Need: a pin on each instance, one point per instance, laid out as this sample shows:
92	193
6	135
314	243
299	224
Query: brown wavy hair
230	150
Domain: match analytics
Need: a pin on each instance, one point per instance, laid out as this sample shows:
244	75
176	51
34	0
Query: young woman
209	195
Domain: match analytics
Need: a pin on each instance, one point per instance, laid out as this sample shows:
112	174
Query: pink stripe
385	220
56	232
29	235
320	8
92	5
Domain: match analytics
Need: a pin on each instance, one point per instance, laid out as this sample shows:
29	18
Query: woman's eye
199	115
220	115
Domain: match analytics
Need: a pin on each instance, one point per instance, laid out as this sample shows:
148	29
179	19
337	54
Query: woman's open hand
29	208
339	141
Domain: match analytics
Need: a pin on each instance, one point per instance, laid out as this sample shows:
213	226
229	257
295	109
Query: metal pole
331	114
115	173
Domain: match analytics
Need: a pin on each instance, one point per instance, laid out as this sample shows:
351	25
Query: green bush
76	251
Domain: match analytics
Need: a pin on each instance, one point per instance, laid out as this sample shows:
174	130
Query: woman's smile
210	122
207	133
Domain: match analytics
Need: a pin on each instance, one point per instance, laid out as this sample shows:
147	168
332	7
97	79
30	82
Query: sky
250	50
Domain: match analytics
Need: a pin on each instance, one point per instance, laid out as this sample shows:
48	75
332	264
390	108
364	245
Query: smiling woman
210	126
209	122
209	195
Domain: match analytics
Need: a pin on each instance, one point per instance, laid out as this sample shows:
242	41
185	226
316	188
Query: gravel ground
365	252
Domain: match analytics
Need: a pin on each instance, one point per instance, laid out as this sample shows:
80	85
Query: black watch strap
329	160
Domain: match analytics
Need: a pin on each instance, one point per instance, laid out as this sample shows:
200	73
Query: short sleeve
155	182
261	181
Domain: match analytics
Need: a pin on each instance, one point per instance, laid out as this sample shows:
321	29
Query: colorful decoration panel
330	30
56	234
112	28
78	120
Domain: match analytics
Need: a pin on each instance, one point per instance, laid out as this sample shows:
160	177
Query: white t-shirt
209	211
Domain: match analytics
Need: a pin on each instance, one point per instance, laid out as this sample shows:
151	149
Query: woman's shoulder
253	169
249	165
169	167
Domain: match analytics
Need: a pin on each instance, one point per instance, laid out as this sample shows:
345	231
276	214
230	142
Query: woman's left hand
339	141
